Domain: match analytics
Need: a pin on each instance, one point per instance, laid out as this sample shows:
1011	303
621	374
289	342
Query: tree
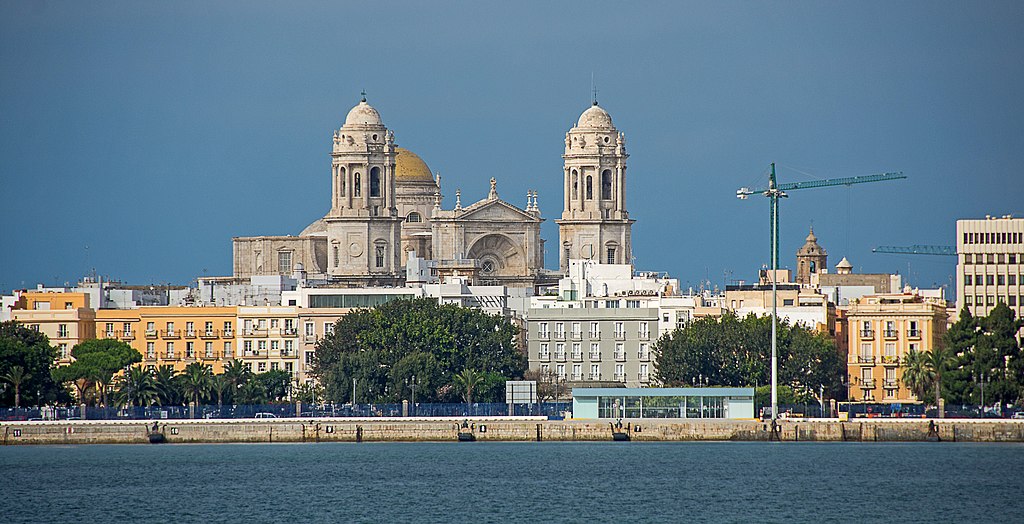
998	355
166	381
97	360
219	385
30	350
468	379
196	381
16	376
730	351
938	360
236	373
960	339
252	393
137	388
382	348
917	374
275	383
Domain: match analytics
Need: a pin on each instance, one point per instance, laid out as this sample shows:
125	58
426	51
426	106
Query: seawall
503	429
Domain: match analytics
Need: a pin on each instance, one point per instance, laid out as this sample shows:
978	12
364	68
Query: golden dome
409	167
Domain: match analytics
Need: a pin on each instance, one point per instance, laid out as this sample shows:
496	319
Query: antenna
593	88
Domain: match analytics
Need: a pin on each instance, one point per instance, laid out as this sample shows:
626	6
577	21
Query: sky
138	138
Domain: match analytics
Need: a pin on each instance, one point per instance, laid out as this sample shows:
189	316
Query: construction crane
774	191
917	249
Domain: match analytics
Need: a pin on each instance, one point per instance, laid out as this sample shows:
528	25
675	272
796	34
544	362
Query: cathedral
386	207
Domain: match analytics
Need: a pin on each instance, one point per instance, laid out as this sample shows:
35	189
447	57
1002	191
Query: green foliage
196	381
97	361
467	380
958	383
275	383
31	351
166	380
137	387
917	373
731	351
383	348
997	355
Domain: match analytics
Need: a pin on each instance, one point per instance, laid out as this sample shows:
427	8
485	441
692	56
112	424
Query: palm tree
917	374
16	376
236	373
219	385
196	381
469	379
939	360
165	379
137	387
252	393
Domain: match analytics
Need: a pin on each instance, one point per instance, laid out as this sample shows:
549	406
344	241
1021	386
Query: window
545	370
170	329
336	257
1011	280
275	345
978	280
633	304
644	330
575	184
1001	280
341	180
227	349
356	185
595	330
590	187
577	350
560	351
170	350
606	184
380	256
968	301
611	255
577	371
595	372
310	355
611	304
375	182
261	347
1011	258
979	300
274	366
620	372
560	371
1000	258
787	302
62	330
645	351
890	349
328	328
577	331
151	350
209	350
288	367
644	372
913	331
968	280
1011	300
261	367
208	328
414	217
620	351
190	328
559	330
284	262
542	330
545	351
289	348
127	328
620	330
595	351
309	329
69	305
865	351
990	300
190	350
247	347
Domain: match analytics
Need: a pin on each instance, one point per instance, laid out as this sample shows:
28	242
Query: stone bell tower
595	224
811	259
363	226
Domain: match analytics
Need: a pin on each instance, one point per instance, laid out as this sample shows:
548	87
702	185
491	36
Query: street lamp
413	387
981	380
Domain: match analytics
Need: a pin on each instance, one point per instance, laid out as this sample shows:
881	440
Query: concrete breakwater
503	429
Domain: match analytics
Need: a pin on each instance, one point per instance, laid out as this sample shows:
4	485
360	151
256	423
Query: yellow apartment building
315	323
268	338
174	335
65	318
882	329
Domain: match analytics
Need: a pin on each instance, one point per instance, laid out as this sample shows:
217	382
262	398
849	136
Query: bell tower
811	259
595	224
363	227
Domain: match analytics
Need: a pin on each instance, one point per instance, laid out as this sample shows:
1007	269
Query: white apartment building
990	264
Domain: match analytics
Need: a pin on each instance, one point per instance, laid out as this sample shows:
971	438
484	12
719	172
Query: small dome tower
811	259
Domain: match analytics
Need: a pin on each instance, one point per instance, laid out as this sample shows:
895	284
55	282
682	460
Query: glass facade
365	301
660	407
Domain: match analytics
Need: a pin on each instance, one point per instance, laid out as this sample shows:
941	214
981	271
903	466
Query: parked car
1018	415
264	414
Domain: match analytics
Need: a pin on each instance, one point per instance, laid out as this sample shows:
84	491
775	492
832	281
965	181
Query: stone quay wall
505	429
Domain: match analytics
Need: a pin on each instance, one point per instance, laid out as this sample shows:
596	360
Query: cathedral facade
386	206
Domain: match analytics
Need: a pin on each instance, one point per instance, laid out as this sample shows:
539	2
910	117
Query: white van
266	415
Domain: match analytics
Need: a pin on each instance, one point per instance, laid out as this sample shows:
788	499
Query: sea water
515	482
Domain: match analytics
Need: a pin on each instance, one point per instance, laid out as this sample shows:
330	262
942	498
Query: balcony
865	359
151	333
644	377
190	334
109	334
228	333
645	335
595	335
253	332
867	333
577	355
208	334
913	333
620	335
543	335
891	333
577	376
577	335
309	339
127	335
595	355
867	383
559	335
643	355
594	376
620	355
169	356
170	333
891	360
209	356
620	377
150	356
890	383
545	355
289	332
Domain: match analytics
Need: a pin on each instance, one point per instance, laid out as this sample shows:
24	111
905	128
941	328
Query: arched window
341	181
356	186
590	187
375	182
379	252
414	217
606	184
575	184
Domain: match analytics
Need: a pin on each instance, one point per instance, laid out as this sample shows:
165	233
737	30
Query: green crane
917	249
774	191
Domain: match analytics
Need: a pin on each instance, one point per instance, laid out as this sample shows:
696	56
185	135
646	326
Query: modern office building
990	264
696	403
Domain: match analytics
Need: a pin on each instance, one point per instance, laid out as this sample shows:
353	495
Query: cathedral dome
409	167
363	114
595	116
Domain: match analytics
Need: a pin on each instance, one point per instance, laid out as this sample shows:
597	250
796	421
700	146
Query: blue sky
137	138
